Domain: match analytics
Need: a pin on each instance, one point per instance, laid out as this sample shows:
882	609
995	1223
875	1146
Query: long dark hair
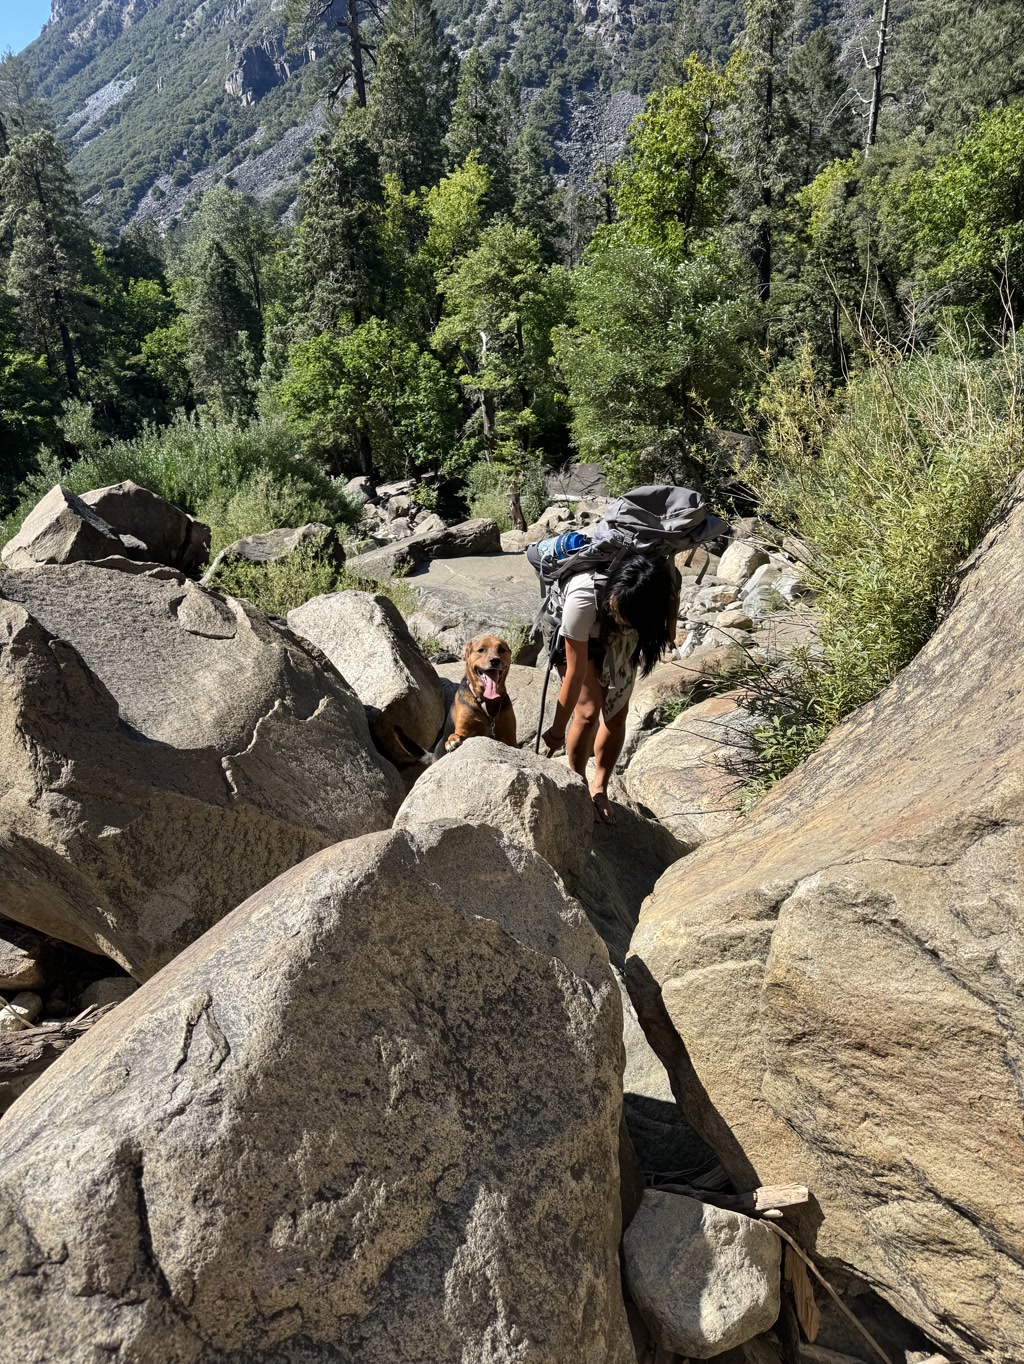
645	596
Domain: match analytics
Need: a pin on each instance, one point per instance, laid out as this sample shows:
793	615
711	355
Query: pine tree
339	250
483	121
761	119
224	328
50	265
345	19
539	202
411	96
821	123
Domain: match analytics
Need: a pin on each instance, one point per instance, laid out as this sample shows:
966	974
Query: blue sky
21	21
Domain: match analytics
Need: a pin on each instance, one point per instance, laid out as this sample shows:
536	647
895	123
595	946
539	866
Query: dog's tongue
490	687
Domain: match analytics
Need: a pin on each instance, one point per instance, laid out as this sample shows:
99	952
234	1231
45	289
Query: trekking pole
556	636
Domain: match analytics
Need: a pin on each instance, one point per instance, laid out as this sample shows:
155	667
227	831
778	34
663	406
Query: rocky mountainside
161	99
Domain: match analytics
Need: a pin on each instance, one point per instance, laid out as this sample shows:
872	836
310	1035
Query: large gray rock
163	753
170	535
689	774
539	803
270	547
61	529
480	536
22	957
369	1118
705	1279
675	682
495	594
740	561
836	984
367	640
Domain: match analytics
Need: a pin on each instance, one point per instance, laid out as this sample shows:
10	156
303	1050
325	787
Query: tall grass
307	572
891	482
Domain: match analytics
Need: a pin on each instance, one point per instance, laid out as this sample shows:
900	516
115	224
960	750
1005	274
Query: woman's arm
568	693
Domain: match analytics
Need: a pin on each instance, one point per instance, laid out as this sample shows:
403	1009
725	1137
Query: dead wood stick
832	1293
768	1196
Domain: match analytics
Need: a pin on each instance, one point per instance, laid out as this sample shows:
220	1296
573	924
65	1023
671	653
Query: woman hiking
603	645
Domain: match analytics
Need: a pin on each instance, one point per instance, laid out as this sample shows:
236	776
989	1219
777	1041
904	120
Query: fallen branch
25	1055
832	1293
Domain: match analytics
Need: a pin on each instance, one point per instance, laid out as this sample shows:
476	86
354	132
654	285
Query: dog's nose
494	663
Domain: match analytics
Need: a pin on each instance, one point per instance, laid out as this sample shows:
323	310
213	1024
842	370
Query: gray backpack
660	520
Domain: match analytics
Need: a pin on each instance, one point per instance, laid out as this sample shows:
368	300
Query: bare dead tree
876	68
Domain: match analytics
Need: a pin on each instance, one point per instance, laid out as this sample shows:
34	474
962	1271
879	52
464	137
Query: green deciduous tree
371	401
671	188
500	305
658	348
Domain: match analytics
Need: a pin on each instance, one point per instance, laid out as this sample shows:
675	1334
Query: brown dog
481	705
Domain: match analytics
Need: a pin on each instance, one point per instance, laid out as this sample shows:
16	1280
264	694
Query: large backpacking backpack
657	519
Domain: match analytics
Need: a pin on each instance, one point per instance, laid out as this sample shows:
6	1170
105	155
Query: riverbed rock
169	535
22	957
61	529
272	546
468	538
836	984
689	774
164	752
488	593
367	640
705	1279
371	1117
739	562
539	803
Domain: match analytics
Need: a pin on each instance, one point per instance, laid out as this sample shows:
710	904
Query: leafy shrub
278	588
891	482
239	475
488	487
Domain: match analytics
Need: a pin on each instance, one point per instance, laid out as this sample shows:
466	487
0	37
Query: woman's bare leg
579	739
611	735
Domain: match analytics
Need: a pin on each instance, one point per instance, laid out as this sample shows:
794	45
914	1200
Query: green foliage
200	466
371	401
963	218
891	481
488	487
671	188
307	572
658	350
500	305
482	122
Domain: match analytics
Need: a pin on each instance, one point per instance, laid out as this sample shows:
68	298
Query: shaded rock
370	1117
60	529
167	534
739	562
110	990
686	775
360	486
705	1279
453	542
19	1012
270	547
539	803
836	986
367	640
577	481
22	957
164	751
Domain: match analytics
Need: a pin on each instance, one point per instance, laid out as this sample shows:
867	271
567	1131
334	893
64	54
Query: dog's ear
470	646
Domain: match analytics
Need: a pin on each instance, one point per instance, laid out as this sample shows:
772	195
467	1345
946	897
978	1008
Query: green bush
891	483
247	478
488	487
278	588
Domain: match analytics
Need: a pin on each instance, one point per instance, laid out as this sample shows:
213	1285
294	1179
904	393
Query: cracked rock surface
164	752
837	986
371	1117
